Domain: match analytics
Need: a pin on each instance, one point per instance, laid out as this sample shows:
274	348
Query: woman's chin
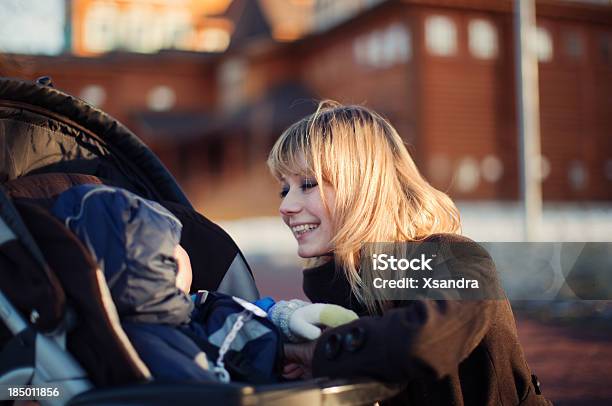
304	255
308	252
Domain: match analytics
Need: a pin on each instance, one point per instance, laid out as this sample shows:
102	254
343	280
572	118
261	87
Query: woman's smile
300	230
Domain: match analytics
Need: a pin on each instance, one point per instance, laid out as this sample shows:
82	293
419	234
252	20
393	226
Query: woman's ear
184	274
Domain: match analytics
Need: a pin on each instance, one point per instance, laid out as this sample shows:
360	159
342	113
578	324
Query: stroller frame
53	366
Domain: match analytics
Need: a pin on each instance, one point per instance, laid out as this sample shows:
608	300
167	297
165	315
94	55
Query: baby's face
184	273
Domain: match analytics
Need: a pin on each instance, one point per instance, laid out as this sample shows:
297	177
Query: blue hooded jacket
133	242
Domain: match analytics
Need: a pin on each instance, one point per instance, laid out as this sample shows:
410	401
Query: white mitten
301	321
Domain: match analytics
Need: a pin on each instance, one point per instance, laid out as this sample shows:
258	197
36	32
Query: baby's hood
132	240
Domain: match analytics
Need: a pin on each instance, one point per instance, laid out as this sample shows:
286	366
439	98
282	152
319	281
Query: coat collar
327	283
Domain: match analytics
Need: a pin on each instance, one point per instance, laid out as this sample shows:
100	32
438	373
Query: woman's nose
290	205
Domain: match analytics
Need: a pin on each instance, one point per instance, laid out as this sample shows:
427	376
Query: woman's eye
308	184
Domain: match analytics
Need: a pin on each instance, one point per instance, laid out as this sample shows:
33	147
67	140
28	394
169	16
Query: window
441	36
360	50
467	175
383	48
483	39
232	81
213	40
605	48
574	44
543	45
99	35
138	26
491	168
398	47
577	175
161	98
608	169
93	94
131	29
374	48
177	28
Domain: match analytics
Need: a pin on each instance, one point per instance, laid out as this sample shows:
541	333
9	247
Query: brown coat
447	352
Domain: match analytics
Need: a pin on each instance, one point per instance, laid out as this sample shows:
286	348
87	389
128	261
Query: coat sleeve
418	339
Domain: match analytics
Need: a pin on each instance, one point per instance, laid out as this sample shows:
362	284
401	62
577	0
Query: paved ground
574	363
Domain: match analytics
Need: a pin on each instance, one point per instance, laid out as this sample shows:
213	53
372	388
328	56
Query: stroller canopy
50	141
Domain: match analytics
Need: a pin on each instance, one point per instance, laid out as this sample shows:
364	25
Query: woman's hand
302	321
298	360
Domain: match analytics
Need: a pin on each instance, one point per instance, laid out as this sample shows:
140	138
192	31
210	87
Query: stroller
61	328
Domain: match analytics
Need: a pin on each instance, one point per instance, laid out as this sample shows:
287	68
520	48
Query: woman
348	179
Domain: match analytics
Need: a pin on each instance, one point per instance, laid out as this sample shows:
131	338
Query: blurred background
210	84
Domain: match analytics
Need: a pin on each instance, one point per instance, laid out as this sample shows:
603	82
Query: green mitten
305	321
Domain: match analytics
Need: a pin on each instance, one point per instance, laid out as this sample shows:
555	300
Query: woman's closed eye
307	184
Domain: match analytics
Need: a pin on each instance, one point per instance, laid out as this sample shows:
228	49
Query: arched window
483	41
441	35
383	48
161	98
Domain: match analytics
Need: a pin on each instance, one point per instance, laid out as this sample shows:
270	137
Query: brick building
441	71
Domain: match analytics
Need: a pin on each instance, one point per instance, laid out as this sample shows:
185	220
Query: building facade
441	71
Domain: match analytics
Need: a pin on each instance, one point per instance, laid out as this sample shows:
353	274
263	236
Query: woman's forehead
284	176
295	165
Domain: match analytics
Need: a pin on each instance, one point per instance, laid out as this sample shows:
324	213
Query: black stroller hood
81	139
50	141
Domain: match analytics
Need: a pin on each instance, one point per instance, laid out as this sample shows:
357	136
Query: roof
595	11
276	110
177	127
249	21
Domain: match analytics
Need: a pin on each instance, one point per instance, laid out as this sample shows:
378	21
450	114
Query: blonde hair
380	196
